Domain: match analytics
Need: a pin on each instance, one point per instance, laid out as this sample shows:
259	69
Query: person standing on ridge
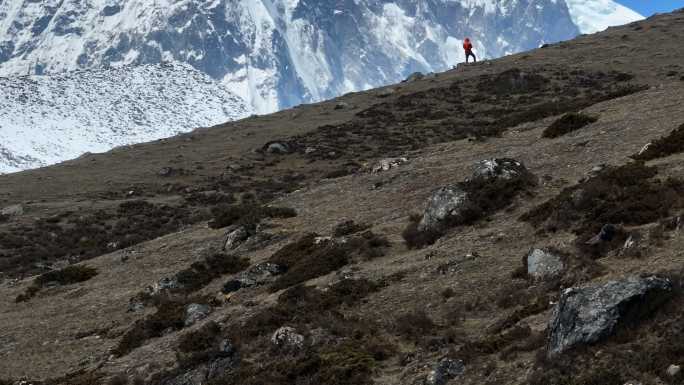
468	47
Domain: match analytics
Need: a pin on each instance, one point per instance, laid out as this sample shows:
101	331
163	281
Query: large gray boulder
448	204
544	264
589	314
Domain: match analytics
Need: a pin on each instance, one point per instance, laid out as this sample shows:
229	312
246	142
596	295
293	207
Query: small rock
277	148
309	150
543	264
597	169
387	164
588	314
165	172
444	371
287	337
163	285
341	105
12	211
386	92
606	234
414	77
135	305
235	237
673	370
631	242
195	312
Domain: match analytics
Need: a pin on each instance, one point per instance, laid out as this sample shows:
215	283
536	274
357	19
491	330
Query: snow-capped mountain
596	15
47	119
272	53
279	53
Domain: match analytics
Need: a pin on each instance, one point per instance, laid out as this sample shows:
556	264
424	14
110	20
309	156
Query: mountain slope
48	119
274	53
370	309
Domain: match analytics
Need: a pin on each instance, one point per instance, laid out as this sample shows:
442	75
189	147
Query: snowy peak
596	15
48	119
274	53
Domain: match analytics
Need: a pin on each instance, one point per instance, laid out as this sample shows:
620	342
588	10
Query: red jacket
467	46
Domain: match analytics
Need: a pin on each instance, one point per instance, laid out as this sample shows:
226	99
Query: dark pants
469	54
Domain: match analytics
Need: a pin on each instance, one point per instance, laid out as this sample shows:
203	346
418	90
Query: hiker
468	47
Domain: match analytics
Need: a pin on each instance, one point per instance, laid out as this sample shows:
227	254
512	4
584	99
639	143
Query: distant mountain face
596	15
279	53
47	119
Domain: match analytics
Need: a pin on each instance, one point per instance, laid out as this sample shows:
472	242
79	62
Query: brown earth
412	307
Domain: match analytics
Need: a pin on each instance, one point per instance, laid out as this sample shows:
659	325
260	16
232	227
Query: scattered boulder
544	264
135	305
444	371
165	172
414	77
195	312
258	275
386	92
674	370
633	246
12	211
444	205
493	185
163	284
587	315
288	338
341	105
504	169
235	236
387	164
280	148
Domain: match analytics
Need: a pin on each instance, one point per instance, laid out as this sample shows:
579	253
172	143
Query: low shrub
665	146
247	214
311	257
67	276
169	316
200	274
568	123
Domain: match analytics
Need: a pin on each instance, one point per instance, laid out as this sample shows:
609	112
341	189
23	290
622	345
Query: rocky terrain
517	221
